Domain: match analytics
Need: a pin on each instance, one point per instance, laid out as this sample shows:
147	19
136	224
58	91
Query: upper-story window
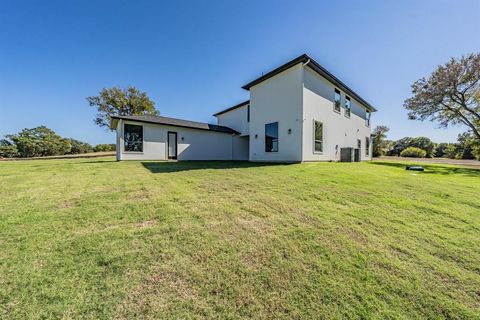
133	138
337	100
348	106
271	137
248	113
367	118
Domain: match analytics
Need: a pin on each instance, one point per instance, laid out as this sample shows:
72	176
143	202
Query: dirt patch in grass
252	223
161	289
145	224
357	237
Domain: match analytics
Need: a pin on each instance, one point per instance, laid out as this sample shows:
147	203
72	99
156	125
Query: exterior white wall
278	99
235	119
195	145
339	131
240	147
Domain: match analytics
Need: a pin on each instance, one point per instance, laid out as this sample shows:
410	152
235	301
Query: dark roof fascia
212	127
274	72
232	108
315	66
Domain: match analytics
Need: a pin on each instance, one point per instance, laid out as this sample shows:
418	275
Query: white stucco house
297	112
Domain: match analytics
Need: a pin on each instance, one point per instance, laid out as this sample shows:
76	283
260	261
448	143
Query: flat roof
315	66
232	108
177	123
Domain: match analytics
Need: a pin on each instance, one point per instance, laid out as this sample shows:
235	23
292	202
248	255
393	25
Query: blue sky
192	57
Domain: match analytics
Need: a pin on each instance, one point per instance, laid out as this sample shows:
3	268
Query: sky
192	57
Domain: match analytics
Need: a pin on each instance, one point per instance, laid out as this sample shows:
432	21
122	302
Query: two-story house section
297	112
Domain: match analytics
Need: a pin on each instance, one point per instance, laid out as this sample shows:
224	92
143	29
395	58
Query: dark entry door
172	145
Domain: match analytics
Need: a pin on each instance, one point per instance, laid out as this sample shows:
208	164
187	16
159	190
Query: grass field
96	238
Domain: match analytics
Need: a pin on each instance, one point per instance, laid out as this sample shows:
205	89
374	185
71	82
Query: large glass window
367	146
367	118
133	137
336	102
318	134
271	137
348	106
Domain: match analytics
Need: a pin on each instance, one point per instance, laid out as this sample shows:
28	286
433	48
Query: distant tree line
42	141
466	147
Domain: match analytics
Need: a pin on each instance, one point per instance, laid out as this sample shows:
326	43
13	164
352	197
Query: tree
440	150
399	145
104	147
120	102
380	142
451	151
79	146
476	151
423	143
466	144
413	152
466	147
8	149
450	96
38	142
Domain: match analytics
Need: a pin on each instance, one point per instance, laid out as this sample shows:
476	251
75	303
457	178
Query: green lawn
96	238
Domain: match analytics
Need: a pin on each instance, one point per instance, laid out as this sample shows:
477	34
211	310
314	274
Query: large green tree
450	95
38	142
468	146
8	149
380	142
120	102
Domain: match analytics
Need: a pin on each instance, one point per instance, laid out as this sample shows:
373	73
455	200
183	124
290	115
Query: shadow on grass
432	169
166	166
